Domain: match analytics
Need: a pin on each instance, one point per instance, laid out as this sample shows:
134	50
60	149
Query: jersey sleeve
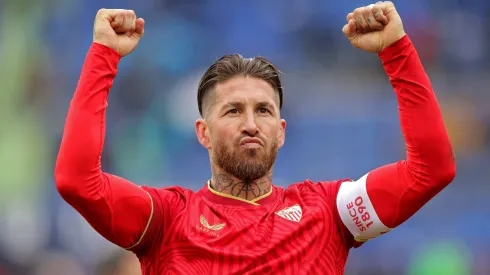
388	196
167	203
118	209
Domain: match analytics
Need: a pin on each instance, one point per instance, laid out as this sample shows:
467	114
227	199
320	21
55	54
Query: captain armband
357	211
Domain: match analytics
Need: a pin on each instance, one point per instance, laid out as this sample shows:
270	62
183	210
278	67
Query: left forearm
389	195
399	190
429	151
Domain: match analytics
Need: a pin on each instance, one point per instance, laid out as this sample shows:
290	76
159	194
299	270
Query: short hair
233	65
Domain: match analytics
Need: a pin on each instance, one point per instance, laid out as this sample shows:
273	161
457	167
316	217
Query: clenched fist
374	27
120	30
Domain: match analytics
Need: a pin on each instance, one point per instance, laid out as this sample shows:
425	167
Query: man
239	222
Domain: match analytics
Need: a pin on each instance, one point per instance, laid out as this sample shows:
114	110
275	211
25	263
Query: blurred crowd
340	108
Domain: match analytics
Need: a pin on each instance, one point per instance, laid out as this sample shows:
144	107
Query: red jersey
306	228
293	231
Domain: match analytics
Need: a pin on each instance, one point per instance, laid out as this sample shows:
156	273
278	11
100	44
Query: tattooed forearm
248	190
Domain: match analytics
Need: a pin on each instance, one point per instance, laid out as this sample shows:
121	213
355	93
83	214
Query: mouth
251	143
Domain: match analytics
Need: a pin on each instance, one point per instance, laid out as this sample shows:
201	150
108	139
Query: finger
372	22
361	21
378	14
108	14
350	29
130	22
117	21
139	27
349	17
387	8
124	22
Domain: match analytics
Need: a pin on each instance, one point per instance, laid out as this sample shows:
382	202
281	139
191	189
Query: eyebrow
233	104
236	104
265	104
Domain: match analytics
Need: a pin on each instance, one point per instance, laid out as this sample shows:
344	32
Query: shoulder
176	189
325	189
168	192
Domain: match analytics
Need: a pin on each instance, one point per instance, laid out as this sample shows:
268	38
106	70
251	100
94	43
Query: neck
248	190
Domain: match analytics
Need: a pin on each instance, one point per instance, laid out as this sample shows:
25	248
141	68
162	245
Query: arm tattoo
249	190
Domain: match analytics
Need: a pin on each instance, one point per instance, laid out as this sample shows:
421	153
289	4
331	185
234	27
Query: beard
246	164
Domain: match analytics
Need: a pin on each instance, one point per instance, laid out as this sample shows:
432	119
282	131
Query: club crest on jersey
293	213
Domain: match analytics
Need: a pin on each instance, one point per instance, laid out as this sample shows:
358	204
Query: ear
202	133
282	133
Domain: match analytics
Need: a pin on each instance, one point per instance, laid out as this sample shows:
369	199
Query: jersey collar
221	198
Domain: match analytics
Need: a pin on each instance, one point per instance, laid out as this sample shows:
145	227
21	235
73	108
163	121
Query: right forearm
83	137
117	208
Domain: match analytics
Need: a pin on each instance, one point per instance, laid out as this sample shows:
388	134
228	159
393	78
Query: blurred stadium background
341	113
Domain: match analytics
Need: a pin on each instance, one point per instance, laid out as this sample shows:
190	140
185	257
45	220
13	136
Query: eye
263	110
233	111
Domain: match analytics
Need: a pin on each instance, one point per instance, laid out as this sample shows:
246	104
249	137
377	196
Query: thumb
349	29
140	28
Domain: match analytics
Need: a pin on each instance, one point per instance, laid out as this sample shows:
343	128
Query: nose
249	125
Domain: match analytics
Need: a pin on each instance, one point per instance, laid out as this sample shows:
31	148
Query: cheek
226	129
222	136
271	128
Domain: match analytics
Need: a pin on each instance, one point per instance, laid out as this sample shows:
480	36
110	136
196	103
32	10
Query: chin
252	152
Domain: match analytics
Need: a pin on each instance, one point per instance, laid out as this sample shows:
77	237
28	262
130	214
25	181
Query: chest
257	230
291	236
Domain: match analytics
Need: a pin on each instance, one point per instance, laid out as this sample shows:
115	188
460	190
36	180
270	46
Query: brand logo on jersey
209	229
293	213
214	227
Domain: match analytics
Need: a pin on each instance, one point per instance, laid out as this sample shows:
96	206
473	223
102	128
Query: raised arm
386	197
118	209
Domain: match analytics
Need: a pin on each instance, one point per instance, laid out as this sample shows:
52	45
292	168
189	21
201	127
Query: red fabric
212	234
118	209
400	189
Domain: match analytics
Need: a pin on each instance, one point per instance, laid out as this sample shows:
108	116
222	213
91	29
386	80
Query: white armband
357	212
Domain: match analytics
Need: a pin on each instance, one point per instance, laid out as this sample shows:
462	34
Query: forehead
244	89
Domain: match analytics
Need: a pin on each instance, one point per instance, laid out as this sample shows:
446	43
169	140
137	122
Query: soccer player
239	222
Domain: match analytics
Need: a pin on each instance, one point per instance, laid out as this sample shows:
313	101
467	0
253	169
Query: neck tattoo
248	190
